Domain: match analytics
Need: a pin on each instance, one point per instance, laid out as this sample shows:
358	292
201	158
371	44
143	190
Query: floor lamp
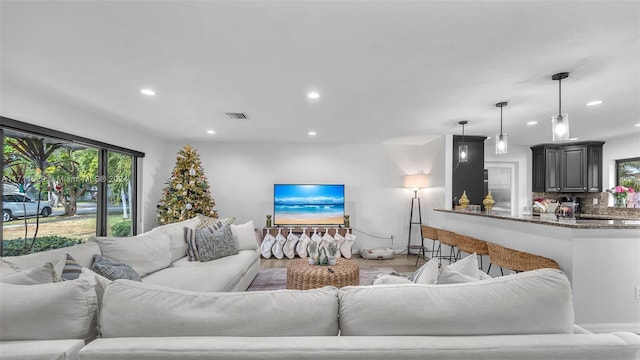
414	183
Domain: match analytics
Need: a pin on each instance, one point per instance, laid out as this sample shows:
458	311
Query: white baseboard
611	327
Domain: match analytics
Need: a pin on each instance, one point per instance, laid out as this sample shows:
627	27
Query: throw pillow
385	279
214	244
192	249
145	253
113	269
205	222
427	273
41	275
461	271
72	269
245	236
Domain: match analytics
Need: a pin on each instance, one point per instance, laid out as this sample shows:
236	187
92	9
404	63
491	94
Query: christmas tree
186	194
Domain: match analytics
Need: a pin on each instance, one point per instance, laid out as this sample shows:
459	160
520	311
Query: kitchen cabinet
574	167
469	176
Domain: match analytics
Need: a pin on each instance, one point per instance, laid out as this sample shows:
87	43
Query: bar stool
472	245
428	232
518	260
447	238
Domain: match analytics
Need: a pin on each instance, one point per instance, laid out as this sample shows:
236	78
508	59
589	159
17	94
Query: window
60	190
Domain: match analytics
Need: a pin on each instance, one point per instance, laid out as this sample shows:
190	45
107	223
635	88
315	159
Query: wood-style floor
400	263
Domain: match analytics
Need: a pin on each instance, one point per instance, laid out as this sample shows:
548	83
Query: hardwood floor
400	263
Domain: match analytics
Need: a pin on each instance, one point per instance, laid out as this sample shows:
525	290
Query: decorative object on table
501	139
347	222
560	122
463	150
186	193
620	195
464	200
313	252
332	250
269	221
488	202
414	183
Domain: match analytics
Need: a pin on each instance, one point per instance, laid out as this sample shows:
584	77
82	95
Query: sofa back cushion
175	231
133	309
534	302
83	254
52	311
145	253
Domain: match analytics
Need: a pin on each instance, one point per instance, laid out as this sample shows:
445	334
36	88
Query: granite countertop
576	224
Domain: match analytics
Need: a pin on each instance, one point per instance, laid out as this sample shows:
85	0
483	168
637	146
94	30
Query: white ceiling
387	71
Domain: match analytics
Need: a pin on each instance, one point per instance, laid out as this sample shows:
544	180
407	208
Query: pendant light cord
501	120
560	97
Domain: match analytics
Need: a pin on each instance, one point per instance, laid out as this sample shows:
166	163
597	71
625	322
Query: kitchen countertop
575	224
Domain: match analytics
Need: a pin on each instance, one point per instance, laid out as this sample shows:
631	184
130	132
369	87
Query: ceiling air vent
231	115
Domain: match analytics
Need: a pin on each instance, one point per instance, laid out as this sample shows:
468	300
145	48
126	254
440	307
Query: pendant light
560	123
463	150
501	139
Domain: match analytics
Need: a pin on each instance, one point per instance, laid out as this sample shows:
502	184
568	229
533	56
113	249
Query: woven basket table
302	276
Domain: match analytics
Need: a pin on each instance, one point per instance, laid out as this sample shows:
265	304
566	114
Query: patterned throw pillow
72	269
113	269
192	249
214	244
205	222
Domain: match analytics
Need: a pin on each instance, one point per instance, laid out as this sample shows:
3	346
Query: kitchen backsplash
587	207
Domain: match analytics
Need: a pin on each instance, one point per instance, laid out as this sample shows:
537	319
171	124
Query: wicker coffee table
302	276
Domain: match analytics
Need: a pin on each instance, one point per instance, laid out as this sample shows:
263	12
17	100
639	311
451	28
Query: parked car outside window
13	207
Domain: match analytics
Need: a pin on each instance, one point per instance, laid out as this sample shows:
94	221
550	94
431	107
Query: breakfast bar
600	257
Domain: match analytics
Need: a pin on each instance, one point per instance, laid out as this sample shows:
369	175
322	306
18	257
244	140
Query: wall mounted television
308	204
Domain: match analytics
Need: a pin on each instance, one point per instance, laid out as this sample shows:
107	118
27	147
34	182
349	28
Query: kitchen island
600	257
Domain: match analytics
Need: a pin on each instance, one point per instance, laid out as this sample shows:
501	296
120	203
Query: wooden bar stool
518	260
447	238
429	232
472	245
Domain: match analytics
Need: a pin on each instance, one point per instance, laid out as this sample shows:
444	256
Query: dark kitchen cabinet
469	176
575	167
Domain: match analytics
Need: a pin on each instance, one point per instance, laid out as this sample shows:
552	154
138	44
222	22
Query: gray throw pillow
214	244
113	269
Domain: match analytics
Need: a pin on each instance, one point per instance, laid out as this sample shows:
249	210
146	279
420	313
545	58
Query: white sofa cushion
132	309
40	275
219	275
83	254
62	310
245	236
464	270
175	231
41	349
145	253
534	302
615	346
427	273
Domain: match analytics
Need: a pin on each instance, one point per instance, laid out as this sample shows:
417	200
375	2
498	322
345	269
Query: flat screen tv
307	204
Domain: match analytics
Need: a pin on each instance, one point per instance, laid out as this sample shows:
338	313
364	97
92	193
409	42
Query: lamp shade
415	181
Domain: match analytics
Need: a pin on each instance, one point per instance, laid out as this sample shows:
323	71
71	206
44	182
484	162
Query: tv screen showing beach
297	204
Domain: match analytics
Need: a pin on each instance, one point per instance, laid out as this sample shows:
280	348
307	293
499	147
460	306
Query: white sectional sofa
158	256
523	316
168	316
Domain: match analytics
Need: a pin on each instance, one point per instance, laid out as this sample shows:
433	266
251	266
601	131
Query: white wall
242	175
614	149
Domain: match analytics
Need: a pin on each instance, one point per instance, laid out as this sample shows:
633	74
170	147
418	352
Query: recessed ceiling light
313	95
148	92
573	139
312	133
211	132
637	125
532	123
595	102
